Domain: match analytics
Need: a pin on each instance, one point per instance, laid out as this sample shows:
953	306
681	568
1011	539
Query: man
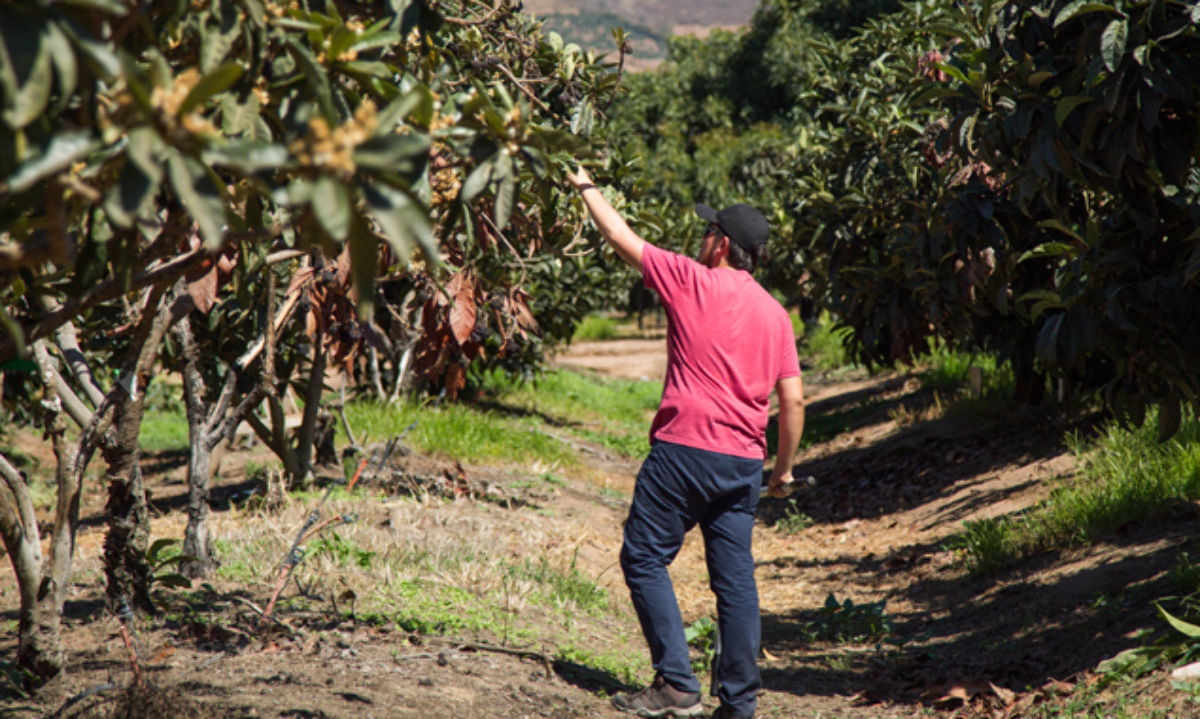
728	344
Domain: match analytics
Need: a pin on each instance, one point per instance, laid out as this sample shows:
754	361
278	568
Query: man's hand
579	178
780	485
625	241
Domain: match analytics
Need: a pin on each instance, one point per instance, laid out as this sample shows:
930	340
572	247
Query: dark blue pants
677	488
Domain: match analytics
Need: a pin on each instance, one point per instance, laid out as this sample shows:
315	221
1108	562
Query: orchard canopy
1018	178
407	151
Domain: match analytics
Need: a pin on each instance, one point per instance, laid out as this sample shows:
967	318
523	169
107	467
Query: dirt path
909	632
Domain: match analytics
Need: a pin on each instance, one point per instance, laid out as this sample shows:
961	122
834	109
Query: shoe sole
692	711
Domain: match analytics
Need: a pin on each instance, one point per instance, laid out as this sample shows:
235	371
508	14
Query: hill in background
648	22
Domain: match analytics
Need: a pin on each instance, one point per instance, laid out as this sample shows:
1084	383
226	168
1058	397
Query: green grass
460	432
613	412
596	327
561	588
944	369
625	668
164	430
1126	475
509	426
823	345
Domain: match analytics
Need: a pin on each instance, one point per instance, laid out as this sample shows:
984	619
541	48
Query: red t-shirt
728	343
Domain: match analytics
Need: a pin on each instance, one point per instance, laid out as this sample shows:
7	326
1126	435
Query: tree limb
19	529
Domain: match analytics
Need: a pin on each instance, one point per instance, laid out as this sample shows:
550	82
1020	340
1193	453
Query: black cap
743	224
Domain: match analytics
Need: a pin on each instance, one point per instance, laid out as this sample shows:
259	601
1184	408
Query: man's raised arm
614	228
790	391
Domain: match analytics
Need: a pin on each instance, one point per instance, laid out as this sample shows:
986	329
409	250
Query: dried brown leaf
203	288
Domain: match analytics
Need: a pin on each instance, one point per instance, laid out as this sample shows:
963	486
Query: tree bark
312	405
125	565
199	470
39	638
42	584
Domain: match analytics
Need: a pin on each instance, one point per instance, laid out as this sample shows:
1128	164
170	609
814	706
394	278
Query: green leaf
505	200
1058	225
1047	340
1036	79
131	196
64	150
14	330
199	194
1193	265
65	66
583	118
1047	249
31	98
98	53
392	153
174	581
1112	44
219	80
340	41
1186	628
418	102
217	41
112	7
1066	105
1082	7
364	268
551	140
331	204
953	71
318	79
403	221
248	156
152	554
238	116
478	179
1042	295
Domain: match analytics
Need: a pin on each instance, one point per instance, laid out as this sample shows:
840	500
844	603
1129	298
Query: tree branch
24	527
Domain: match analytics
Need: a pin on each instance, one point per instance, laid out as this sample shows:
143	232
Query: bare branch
23	513
285	315
521	86
482	20
109	289
70	401
68	343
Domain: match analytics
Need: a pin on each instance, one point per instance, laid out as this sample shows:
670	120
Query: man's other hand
780	485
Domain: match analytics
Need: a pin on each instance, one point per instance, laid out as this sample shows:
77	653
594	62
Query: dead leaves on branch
204	282
457	320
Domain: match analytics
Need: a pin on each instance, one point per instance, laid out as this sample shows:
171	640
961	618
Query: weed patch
596	327
823	345
1126	475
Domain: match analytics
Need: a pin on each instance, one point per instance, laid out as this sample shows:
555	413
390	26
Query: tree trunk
199	469
125	565
42	582
312	406
196	537
39	646
39	642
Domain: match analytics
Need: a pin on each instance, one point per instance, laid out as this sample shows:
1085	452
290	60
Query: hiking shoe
660	699
725	712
